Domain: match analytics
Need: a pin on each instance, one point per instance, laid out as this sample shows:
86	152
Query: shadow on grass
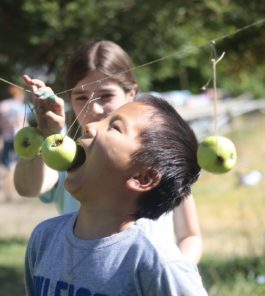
11	281
13	240
223	272
12	271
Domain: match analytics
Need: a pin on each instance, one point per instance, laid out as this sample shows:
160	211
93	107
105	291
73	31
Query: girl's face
93	99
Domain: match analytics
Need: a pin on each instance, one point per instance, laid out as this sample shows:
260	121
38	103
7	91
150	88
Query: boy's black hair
169	146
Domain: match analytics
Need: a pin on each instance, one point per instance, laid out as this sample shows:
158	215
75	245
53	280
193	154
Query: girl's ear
132	93
144	181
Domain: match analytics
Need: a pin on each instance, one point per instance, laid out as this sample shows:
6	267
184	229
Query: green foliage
246	81
40	35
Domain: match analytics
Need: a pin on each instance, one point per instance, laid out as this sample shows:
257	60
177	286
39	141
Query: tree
39	35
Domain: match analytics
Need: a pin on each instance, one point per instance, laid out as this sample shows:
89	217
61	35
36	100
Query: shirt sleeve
29	268
174	279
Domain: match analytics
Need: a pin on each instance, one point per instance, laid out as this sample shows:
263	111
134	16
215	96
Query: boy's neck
91	224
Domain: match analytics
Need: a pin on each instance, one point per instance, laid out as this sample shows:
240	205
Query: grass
232	221
12	252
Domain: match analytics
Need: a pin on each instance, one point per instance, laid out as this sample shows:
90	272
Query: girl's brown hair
104	56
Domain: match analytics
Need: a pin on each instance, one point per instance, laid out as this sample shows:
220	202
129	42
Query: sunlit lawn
231	215
232	218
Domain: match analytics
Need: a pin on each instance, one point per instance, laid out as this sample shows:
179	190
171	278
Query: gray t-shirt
124	264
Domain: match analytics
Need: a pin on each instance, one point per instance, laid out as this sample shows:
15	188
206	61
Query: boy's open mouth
79	159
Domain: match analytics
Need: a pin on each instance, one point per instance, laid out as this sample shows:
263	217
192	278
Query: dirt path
18	218
20	215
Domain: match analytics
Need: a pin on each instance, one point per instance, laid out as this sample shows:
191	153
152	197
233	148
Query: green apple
28	142
216	154
59	152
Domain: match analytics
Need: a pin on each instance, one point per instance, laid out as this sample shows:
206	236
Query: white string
16	85
215	62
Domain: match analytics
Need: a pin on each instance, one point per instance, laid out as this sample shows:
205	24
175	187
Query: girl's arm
32	177
187	230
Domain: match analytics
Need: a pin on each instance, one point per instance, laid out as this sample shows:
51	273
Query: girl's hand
49	108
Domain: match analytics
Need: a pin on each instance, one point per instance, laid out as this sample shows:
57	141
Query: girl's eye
81	98
105	98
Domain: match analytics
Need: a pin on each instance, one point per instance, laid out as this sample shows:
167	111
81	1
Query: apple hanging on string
59	152
216	154
28	142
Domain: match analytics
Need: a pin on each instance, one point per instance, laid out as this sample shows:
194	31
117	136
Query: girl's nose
96	108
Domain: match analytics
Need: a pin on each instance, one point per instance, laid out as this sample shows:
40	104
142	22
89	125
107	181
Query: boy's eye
115	126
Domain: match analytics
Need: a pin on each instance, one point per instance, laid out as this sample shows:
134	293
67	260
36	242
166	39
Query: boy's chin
71	183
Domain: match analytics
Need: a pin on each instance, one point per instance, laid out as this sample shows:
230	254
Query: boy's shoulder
61	219
165	251
158	254
165	260
49	227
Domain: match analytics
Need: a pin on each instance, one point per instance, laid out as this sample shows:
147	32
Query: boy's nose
90	130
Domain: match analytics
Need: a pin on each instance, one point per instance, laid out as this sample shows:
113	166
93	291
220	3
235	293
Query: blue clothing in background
62	199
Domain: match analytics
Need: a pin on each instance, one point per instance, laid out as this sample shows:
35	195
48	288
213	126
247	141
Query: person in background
12	118
100	77
99	250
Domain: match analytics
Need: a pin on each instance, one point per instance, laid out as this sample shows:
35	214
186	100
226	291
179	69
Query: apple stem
220	160
26	143
57	143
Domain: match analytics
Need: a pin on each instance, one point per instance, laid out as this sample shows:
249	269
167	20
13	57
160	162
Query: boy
146	155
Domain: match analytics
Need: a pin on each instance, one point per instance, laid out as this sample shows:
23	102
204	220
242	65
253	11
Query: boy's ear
144	181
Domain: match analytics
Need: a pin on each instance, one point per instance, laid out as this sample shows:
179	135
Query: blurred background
170	44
